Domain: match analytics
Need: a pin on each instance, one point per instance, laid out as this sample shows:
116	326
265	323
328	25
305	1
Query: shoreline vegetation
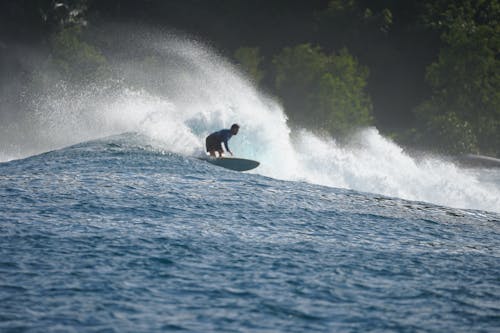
425	73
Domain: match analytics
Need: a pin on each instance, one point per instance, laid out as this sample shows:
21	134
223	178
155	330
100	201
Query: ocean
110	223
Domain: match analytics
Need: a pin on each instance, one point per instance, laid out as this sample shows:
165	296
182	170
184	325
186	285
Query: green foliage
250	60
75	59
320	91
352	17
445	133
465	79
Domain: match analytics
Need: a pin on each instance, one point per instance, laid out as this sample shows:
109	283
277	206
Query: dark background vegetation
425	72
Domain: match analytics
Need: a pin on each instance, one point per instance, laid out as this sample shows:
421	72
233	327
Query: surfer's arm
227	148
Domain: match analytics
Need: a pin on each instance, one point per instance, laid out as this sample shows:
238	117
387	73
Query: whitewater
109	222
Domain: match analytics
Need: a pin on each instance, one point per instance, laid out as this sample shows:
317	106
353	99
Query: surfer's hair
235	126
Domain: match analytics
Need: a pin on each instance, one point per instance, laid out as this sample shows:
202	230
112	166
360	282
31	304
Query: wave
194	91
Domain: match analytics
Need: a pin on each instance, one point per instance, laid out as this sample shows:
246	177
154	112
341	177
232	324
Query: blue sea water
109	222
112	235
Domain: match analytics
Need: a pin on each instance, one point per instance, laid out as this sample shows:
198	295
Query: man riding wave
214	141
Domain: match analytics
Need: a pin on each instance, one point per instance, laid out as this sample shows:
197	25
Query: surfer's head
235	128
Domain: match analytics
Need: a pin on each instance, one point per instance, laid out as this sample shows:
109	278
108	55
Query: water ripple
116	240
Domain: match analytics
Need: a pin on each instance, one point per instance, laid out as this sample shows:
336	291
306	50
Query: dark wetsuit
214	141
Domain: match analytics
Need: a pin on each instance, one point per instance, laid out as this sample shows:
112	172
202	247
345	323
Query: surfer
214	141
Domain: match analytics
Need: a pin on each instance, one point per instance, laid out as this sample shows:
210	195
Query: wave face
110	235
193	91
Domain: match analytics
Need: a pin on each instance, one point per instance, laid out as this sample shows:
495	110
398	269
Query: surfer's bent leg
212	145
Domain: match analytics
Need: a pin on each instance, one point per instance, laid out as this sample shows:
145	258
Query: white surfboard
232	163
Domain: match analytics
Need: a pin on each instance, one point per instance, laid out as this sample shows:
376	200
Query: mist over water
175	91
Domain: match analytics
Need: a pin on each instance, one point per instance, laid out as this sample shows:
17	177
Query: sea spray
190	91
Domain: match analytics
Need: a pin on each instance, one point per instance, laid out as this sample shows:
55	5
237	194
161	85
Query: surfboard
232	163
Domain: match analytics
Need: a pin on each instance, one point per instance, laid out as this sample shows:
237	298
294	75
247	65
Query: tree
250	60
465	79
74	58
445	133
324	92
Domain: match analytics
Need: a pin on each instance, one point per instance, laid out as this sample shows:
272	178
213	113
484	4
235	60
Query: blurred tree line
425	72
